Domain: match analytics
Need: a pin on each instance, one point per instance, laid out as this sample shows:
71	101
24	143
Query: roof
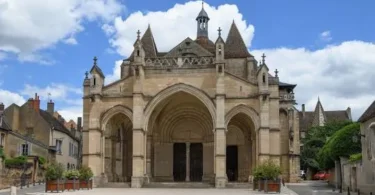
286	85
56	124
368	114
96	67
235	46
311	117
4	125
202	14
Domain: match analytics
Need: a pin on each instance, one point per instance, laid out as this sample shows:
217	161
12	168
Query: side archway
109	113
162	95
242	123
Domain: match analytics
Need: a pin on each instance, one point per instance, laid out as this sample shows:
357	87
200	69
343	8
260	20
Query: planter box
260	185
272	186
85	184
255	184
55	185
72	184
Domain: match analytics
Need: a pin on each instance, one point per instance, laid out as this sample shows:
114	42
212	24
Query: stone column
113	159
187	162
138	142
148	156
220	128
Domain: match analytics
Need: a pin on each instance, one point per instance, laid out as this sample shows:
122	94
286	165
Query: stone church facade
202	112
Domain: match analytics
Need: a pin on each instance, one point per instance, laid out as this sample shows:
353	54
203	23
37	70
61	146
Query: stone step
115	185
241	185
177	185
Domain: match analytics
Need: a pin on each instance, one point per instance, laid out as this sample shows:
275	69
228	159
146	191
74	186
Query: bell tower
202	23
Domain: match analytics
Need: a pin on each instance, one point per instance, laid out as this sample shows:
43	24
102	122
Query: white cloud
29	26
116	73
342	75
174	25
71	41
71	113
56	91
8	98
326	36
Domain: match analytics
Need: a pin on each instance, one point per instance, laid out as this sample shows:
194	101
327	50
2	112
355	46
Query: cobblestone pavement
25	190
308	188
160	191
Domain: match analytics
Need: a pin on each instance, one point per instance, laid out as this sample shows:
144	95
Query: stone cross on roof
276	73
138	34
95	60
263	59
219	30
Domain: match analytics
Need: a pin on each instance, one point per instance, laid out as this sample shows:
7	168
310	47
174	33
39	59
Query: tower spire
202	23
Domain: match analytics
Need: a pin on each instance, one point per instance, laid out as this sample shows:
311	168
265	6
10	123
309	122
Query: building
366	182
319	117
203	111
35	132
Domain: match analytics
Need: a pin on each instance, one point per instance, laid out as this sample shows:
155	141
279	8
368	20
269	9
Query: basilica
205	111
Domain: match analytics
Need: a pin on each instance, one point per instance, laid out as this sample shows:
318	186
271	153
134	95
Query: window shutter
29	149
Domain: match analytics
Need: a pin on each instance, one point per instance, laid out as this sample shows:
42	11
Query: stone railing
287	96
178	62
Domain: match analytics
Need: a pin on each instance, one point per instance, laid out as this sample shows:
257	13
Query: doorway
196	162
232	163
179	161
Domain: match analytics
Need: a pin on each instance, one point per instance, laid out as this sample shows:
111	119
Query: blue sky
323	46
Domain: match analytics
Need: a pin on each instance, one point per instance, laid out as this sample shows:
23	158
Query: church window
264	78
137	52
220	69
94	81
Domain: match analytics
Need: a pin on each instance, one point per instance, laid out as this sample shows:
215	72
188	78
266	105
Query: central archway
180	136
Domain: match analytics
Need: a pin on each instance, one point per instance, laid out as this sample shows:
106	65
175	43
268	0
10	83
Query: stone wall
354	177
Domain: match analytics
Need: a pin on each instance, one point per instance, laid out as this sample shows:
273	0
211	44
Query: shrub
41	160
355	157
267	170
85	173
54	171
2	155
17	162
71	174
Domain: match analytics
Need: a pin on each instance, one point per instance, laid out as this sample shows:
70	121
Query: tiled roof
306	122
96	67
368	114
235	46
57	125
4	125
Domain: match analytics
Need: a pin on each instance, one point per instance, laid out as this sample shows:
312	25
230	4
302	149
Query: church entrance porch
232	163
181	140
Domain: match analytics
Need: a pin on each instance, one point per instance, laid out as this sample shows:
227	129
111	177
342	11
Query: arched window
94	81
264	78
138	52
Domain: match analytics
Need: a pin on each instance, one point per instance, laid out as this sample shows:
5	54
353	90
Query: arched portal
181	139
241	151
118	144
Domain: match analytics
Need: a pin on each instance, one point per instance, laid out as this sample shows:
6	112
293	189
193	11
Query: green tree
315	139
340	145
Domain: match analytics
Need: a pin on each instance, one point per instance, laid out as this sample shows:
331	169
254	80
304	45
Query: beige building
366	182
32	131
204	111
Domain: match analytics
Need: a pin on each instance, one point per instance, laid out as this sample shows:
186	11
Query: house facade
367	123
35	132
203	111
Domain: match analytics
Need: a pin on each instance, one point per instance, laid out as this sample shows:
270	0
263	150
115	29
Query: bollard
13	190
359	192
348	191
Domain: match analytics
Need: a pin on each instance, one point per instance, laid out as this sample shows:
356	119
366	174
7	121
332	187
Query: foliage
2	155
340	145
16	162
41	160
54	171
355	157
71	174
85	173
315	139
267	170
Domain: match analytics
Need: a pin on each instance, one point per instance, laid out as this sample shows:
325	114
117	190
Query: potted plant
54	178
71	180
85	177
271	173
257	180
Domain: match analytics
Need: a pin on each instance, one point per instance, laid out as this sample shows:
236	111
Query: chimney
349	113
50	107
303	110
79	123
36	103
2	107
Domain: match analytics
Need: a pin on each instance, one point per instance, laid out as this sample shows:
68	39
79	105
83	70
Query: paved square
158	191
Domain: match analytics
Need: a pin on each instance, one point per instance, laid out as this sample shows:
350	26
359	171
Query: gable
187	48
